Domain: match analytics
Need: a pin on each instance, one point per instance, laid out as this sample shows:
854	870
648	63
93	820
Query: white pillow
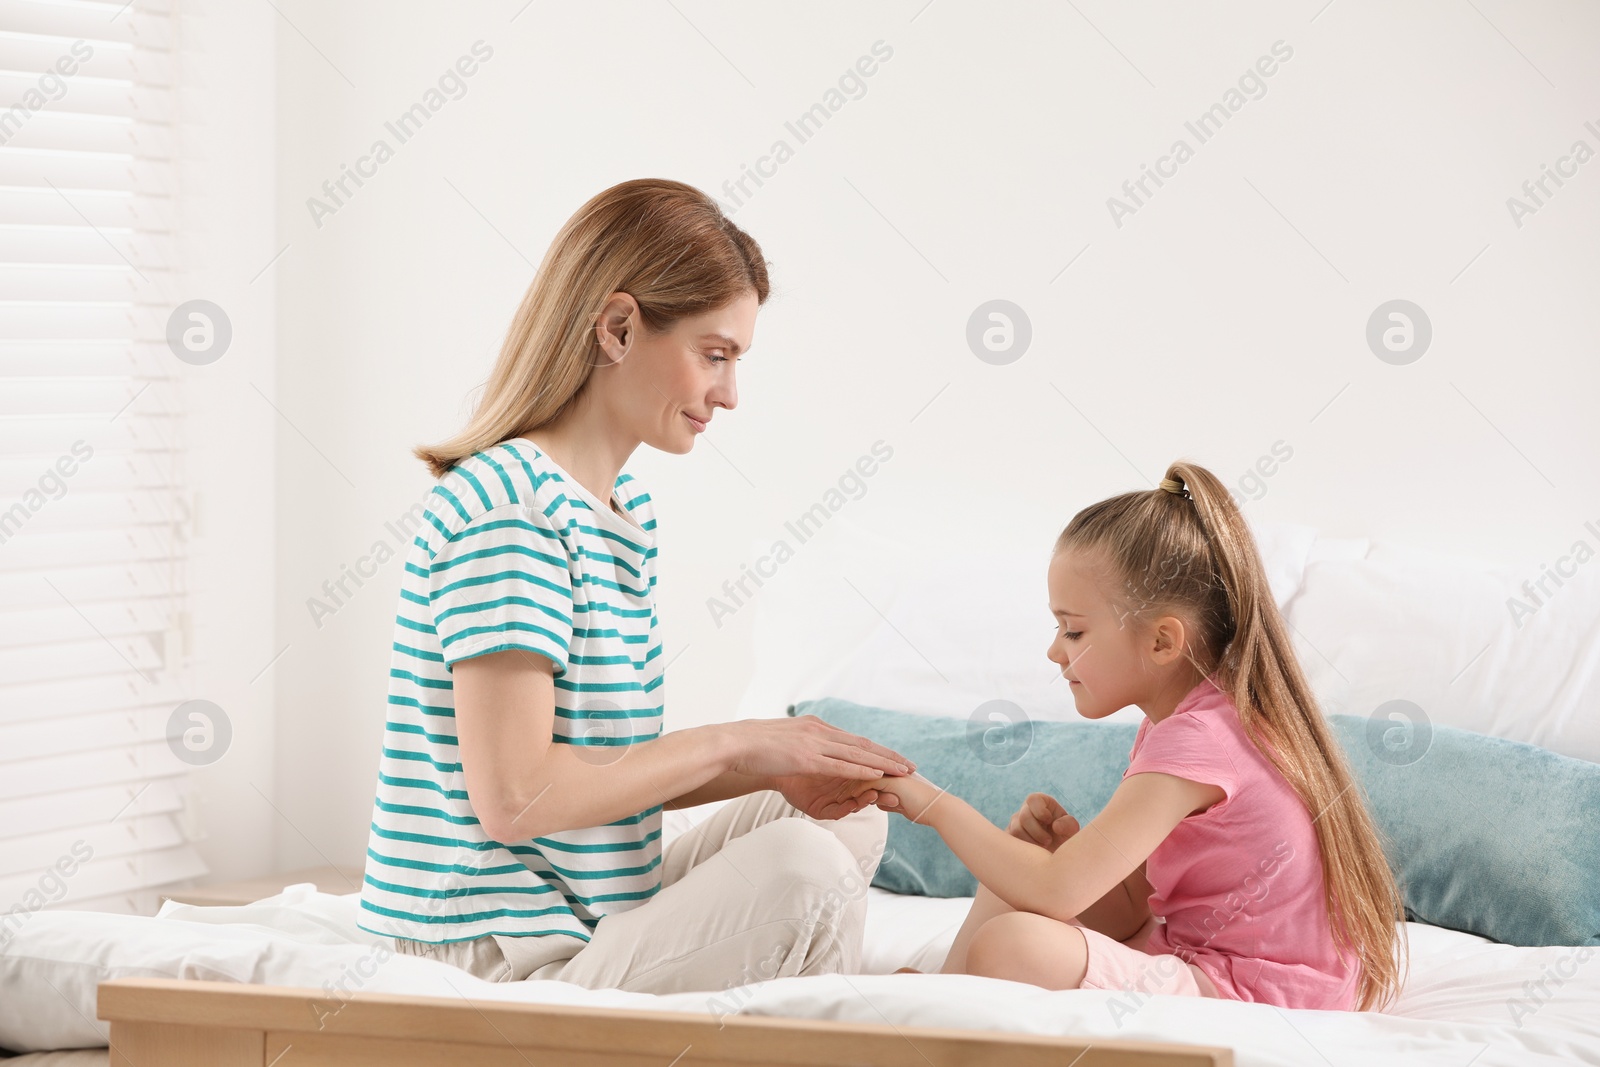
50	967
930	628
1383	622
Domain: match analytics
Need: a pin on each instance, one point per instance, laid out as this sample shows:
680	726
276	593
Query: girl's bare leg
985	906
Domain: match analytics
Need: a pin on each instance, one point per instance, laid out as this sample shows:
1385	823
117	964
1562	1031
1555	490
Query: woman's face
671	384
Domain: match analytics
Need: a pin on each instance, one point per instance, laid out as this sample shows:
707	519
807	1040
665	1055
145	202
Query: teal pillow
992	760
1494	837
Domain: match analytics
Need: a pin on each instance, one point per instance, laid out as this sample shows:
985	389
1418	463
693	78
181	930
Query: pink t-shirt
1239	885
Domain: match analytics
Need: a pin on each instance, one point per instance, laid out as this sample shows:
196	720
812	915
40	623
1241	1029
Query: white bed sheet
1466	1000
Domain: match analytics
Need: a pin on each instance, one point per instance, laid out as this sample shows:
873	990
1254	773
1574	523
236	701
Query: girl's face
671	384
1105	655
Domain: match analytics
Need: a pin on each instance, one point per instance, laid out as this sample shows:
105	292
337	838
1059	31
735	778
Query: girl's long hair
666	244
1185	549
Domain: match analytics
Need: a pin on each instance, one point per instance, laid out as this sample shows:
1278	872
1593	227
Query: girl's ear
1167	641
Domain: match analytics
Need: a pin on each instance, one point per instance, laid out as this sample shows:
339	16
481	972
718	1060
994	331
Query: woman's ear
613	326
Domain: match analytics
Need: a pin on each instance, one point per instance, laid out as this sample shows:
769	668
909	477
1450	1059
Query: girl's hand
911	795
1042	821
806	745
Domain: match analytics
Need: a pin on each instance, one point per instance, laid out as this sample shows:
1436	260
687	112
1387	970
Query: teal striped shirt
514	553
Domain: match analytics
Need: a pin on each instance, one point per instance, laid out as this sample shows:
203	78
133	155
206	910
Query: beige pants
759	890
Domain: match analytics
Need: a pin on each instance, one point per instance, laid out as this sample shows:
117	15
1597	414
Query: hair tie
1175	487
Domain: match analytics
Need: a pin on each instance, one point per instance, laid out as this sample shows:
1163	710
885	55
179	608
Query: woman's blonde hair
1183	548
666	244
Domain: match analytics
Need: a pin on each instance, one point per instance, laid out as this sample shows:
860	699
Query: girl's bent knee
991	945
1023	947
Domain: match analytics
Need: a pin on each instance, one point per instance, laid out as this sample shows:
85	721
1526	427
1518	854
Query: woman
516	831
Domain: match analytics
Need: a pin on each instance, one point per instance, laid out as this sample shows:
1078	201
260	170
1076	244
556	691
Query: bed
286	980
291	979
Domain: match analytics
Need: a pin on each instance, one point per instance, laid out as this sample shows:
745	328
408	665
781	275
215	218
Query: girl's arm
1043	821
1122	911
1061	885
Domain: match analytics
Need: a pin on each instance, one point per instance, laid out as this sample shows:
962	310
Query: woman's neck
585	445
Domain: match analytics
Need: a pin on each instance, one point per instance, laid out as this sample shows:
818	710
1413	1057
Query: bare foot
907	970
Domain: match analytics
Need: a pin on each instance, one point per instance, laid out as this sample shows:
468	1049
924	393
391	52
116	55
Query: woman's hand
825	798
1043	821
806	745
912	795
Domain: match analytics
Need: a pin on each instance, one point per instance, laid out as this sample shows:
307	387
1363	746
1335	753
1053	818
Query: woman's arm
1064	884
725	786
522	784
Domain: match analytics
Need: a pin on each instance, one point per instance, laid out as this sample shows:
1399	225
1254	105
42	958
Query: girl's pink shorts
1125	966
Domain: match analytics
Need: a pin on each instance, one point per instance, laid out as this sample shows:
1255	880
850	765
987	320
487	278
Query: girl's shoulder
1201	739
1205	709
1209	710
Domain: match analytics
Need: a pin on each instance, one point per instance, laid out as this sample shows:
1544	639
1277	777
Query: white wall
1226	315
226	183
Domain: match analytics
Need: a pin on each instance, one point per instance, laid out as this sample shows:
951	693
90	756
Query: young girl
1236	859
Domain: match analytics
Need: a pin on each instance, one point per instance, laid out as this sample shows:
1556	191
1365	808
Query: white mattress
1464	997
1466	1000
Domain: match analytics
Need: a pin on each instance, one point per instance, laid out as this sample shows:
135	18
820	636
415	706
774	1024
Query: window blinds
93	506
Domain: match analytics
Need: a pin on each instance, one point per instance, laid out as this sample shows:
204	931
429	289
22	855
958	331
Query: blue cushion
1494	837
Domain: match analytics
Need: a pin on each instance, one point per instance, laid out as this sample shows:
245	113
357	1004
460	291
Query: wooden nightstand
338	880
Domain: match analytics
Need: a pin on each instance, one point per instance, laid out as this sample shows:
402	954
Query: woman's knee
866	834
805	859
799	848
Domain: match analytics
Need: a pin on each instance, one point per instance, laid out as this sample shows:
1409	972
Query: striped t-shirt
515	553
